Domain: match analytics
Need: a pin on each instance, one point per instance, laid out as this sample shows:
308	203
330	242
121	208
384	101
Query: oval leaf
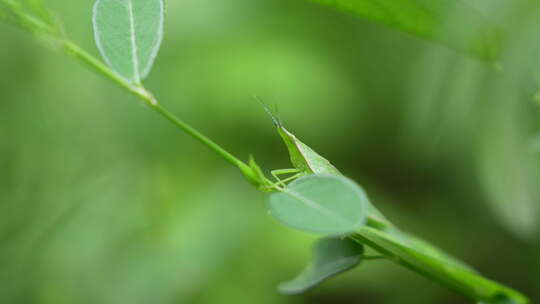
328	204
128	34
331	257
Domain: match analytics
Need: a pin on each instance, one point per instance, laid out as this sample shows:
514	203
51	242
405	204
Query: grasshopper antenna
273	113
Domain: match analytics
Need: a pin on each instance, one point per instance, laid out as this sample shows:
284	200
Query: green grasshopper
306	161
393	244
303	158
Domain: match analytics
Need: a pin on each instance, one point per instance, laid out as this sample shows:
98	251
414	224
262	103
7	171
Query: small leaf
328	204
331	257
450	22
128	34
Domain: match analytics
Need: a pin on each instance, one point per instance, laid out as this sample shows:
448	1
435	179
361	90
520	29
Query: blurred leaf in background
453	23
491	117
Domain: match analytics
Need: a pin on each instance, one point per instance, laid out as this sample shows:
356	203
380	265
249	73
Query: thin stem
199	137
140	92
78	53
149	99
97	65
33	24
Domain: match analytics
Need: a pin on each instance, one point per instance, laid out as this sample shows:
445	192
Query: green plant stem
428	271
441	274
200	137
140	92
465	282
35	25
97	65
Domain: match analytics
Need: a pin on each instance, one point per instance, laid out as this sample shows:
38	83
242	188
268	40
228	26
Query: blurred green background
102	201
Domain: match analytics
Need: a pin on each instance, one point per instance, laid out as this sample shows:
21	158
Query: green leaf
327	204
437	267
128	34
331	257
450	22
509	171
